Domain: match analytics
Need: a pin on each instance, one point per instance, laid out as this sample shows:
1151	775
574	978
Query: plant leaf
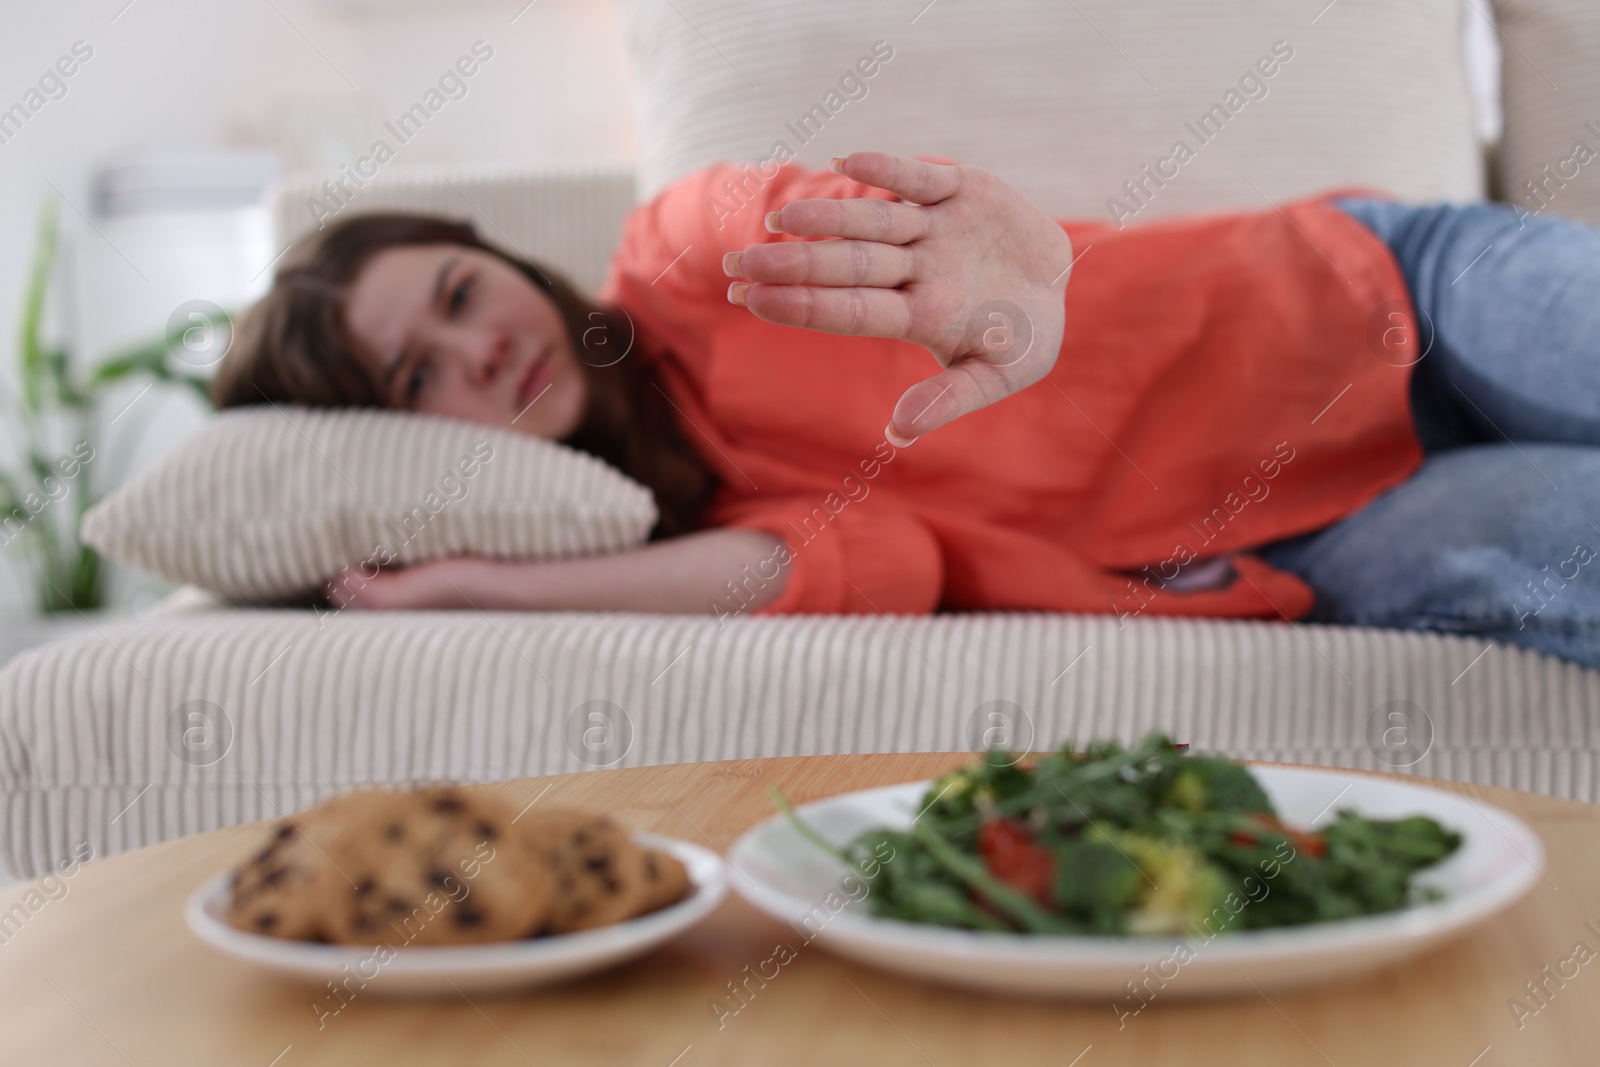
57	362
32	356
10	495
152	358
144	359
40	466
87	590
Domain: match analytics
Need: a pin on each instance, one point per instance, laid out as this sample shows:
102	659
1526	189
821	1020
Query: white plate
431	969
791	879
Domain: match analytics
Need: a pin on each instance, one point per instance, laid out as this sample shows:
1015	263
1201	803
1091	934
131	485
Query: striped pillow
1550	78
267	503
1079	105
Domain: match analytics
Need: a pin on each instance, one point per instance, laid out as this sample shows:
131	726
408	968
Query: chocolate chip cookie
426	867
274	892
666	881
441	866
598	869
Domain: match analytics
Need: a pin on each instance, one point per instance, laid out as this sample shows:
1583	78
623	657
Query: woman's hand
968	268
438	584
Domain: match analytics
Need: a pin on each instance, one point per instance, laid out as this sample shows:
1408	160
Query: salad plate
822	899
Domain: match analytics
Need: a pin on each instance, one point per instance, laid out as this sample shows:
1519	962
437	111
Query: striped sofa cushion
1550	85
202	716
1079	105
268	502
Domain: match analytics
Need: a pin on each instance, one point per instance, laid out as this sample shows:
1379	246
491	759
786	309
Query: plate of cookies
446	890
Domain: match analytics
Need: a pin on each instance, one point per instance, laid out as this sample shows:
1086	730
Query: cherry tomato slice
1011	855
1307	841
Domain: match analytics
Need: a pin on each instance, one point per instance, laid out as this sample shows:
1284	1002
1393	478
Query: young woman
1342	408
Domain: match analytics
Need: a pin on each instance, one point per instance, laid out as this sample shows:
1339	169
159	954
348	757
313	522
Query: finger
865	218
824	263
961	389
342	598
910	179
861	312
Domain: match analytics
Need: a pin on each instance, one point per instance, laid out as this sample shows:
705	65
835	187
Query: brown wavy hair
292	347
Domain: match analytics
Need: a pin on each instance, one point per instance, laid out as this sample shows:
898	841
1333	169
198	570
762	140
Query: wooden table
109	974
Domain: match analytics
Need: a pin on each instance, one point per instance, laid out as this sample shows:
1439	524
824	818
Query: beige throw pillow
267	503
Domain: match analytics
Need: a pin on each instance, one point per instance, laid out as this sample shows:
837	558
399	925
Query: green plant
44	497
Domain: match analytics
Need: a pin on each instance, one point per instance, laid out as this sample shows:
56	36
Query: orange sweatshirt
1218	387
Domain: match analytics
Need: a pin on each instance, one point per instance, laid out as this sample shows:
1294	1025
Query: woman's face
450	330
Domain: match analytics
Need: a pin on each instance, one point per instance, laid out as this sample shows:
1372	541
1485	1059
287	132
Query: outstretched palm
964	265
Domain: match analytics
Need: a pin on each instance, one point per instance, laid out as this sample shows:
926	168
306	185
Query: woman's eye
459	295
416	379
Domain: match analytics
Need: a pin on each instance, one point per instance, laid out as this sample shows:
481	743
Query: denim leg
1477	542
1509	313
1496	535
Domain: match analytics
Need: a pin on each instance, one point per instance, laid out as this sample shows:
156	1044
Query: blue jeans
1498	534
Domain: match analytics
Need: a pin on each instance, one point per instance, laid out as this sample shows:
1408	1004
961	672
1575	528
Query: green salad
1148	840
